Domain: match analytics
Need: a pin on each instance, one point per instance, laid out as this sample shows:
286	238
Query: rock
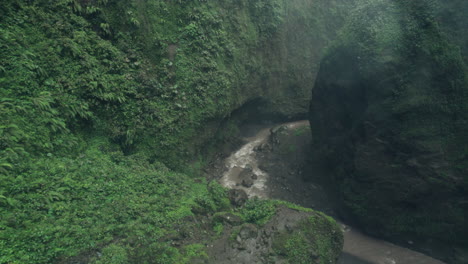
228	218
247	182
247	177
288	233
278	129
262	147
264	167
237	197
198	260
392	129
248	231
246	172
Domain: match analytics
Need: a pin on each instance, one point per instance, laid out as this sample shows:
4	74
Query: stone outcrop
290	236
389	117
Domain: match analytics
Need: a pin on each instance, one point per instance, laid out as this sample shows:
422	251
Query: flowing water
358	247
245	158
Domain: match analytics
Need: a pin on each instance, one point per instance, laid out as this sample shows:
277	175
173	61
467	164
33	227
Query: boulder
247	177
237	197
290	236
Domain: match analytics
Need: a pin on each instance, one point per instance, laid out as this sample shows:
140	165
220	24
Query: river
358	247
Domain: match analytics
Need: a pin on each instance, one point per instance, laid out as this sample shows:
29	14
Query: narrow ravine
244	159
246	169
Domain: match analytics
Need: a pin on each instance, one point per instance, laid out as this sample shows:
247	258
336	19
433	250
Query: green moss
258	211
294	247
193	252
293	206
218	228
315	241
326	245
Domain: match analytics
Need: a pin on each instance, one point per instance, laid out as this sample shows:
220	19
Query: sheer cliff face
389	114
201	60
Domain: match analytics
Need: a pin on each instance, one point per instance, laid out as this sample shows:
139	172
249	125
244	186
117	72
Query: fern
43	101
106	28
92	10
4	166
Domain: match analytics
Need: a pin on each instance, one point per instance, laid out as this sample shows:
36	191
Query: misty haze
234	131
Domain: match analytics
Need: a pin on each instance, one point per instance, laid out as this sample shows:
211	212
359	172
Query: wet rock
389	261
238	244
250	243
263	147
246	173
278	129
248	231
237	197
228	218
198	260
247	177
385	147
264	167
275	134
247	182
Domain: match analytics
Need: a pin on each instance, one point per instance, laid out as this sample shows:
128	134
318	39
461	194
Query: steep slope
99	98
389	115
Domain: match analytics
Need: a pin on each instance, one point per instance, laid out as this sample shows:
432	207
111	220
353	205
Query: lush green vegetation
144	74
99	96
64	206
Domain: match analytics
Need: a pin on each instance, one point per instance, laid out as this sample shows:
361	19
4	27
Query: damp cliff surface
104	102
389	121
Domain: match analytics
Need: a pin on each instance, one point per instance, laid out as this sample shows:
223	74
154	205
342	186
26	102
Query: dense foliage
99	96
65	206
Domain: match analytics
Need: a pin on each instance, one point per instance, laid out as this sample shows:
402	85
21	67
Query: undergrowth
97	97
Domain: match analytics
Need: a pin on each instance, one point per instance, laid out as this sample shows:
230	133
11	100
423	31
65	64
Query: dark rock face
247	177
237	197
389	115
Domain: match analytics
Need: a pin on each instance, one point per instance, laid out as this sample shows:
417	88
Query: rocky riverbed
272	164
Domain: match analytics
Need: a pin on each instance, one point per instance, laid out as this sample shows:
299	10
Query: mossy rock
389	114
291	234
313	240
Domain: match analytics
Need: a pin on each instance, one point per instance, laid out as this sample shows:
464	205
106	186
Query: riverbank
272	164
